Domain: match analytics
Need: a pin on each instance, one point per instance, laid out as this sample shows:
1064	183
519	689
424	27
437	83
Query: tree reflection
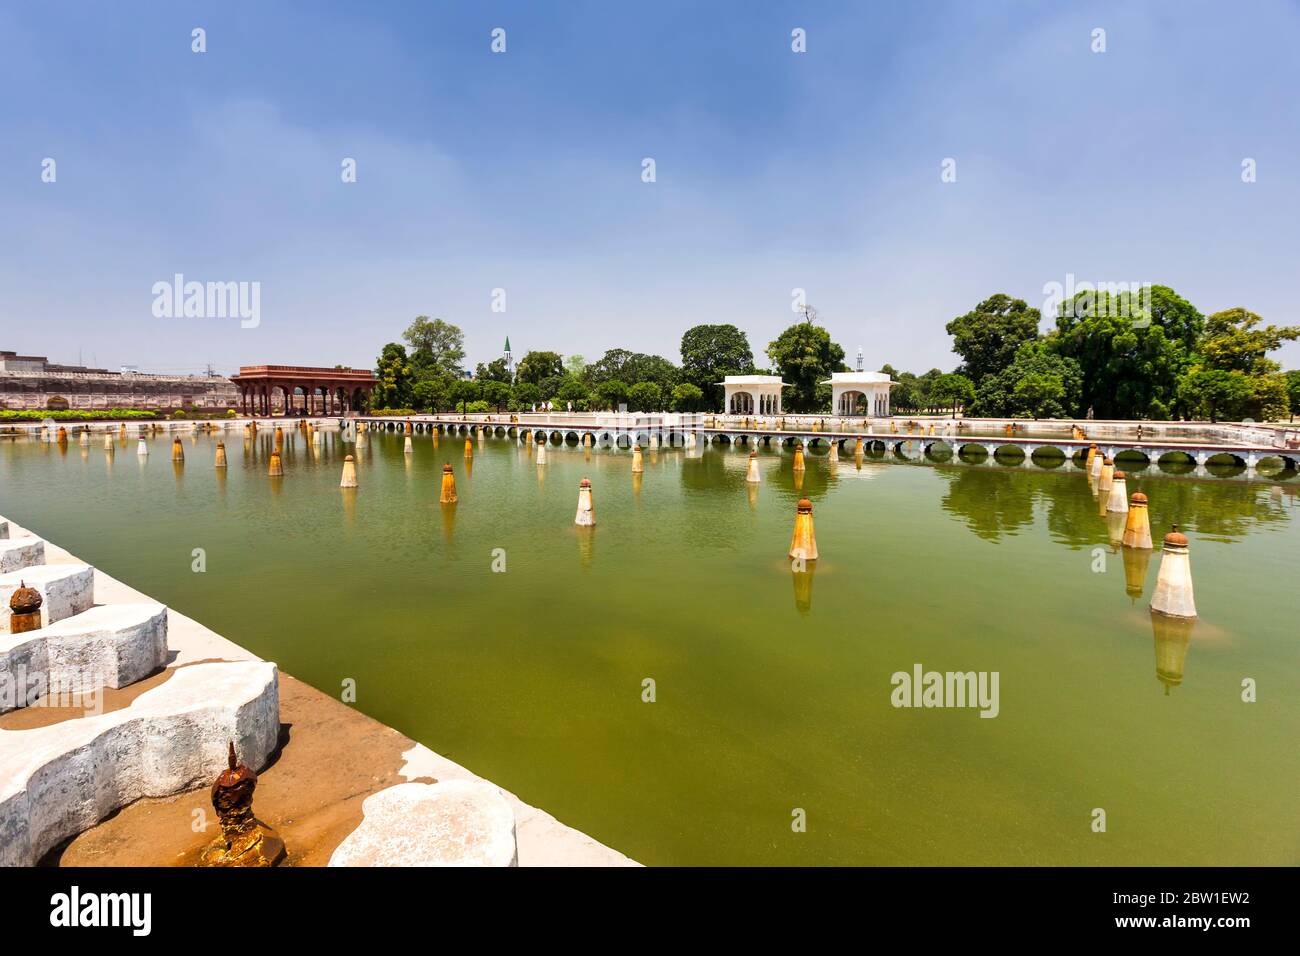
993	503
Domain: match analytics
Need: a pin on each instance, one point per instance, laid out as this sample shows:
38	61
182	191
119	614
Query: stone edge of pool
333	733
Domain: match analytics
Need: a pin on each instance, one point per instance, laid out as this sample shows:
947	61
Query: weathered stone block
19	553
4	528
454	823
59	780
65	589
112	645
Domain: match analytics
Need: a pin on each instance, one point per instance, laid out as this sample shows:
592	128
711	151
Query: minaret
510	361
859	358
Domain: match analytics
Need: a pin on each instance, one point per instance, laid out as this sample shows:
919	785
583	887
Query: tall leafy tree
612	393
494	371
435	344
1054	389
1235	341
632	367
804	356
953	391
1131	362
710	352
1211	392
496	394
988	337
524	395
644	397
393	378
536	367
687	398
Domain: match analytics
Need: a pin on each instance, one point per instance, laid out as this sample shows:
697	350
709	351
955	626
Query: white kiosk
867	390
752	394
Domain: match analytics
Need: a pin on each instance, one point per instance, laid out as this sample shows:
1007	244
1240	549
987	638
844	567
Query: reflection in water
586	546
1136	561
1115	521
994	504
803	582
448	520
349	505
751	490
1173	636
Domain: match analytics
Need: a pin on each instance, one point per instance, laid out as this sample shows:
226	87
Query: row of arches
905	448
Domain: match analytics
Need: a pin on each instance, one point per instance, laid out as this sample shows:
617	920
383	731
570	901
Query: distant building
510	360
33	382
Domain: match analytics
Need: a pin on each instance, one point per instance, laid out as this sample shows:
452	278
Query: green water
534	677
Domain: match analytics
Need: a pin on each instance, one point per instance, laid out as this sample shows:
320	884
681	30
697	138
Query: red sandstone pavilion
301	389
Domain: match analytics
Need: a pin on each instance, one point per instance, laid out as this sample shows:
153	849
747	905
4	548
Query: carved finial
231	758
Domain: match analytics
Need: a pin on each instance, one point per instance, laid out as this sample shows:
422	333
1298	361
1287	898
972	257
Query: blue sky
522	170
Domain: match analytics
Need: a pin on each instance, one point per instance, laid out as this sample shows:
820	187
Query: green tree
575	365
1234	340
432	392
496	394
1040	393
612	393
988	337
1131	363
1214	391
536	367
711	352
435	344
393	378
687	398
524	395
804	357
644	397
953	391
997	396
1293	392
494	371
632	367
571	390
464	391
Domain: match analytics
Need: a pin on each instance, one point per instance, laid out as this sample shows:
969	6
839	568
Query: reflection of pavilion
868	391
752	394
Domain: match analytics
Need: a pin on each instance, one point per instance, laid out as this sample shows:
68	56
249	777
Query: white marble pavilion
752	394
849	390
